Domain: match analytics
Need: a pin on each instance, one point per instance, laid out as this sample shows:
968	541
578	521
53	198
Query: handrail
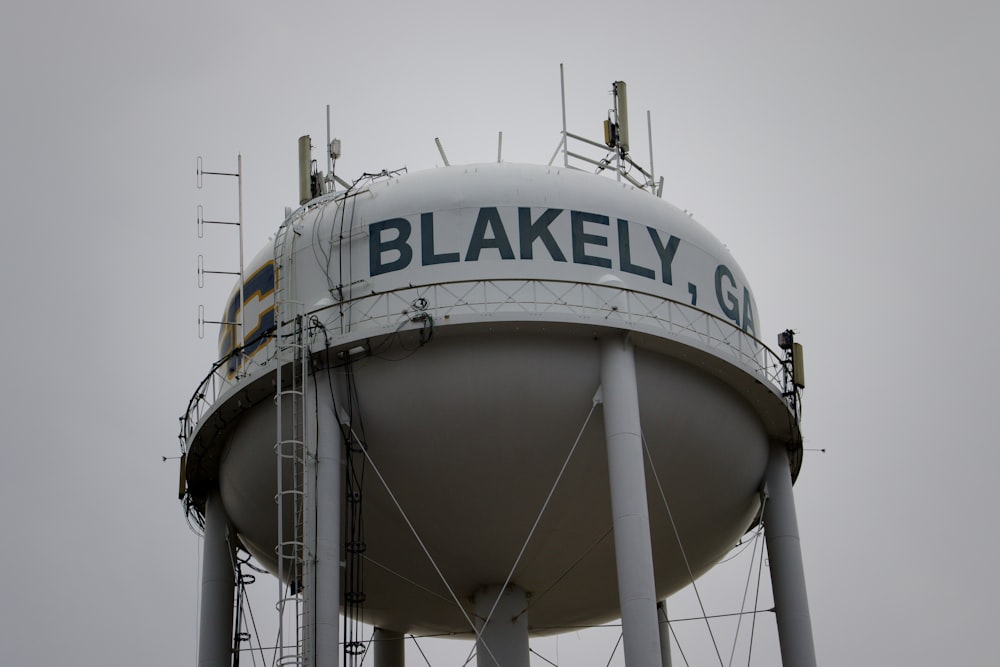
207	393
501	298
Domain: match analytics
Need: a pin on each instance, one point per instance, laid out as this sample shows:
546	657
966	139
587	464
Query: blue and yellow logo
258	318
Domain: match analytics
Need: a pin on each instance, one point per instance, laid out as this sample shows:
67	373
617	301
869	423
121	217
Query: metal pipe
308	501
584	158
585	140
562	92
788	580
441	151
629	511
329	154
328	440
649	132
243	328
218	585
559	148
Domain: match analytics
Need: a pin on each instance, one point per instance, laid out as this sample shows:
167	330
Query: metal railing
565	301
513	300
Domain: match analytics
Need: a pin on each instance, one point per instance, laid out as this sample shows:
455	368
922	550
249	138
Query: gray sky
845	152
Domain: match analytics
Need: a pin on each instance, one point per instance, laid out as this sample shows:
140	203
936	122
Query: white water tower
493	400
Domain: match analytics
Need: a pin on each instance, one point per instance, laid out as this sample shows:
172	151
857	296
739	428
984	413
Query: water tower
491	400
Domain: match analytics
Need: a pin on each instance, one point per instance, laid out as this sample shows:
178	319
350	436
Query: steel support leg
218	587
630	513
661	615
788	580
327	441
503	642
389	649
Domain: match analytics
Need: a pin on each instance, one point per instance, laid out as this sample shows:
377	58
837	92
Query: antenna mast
201	221
616	138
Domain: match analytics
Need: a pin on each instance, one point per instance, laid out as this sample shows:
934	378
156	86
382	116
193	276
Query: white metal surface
218	584
489	224
629	514
788	581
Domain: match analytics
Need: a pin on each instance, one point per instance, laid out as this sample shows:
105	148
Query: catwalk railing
510	300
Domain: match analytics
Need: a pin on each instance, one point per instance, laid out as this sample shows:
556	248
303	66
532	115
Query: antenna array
616	142
200	173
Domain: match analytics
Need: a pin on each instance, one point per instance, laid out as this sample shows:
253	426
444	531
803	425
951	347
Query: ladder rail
291	453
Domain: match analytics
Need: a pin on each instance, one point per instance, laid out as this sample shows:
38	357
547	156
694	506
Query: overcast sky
846	152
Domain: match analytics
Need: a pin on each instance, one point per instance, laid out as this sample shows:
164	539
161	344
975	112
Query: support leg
630	514
218	586
787	576
389	650
661	615
328	446
504	641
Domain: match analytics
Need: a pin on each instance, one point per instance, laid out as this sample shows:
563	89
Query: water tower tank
460	313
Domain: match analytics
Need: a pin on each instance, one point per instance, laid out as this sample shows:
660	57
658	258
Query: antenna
305	169
201	222
621	116
329	146
652	173
312	182
562	92
441	151
332	153
615	144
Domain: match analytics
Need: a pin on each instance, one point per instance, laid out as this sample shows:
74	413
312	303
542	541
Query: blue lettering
666	253
729	304
581	239
377	246
489	217
427	255
748	321
529	231
625	253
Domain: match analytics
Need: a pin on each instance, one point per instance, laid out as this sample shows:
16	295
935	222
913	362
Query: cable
756	602
535	598
746	587
407	580
677	643
744	545
680	546
422	654
256	632
423	546
542	657
541	512
617	643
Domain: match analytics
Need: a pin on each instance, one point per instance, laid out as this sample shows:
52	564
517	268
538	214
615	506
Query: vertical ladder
291	452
